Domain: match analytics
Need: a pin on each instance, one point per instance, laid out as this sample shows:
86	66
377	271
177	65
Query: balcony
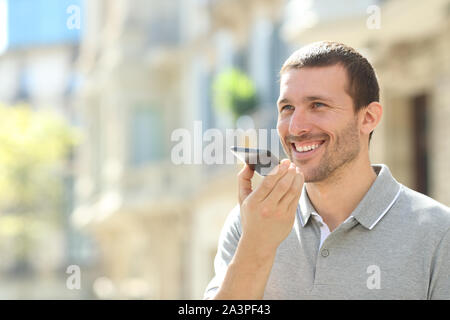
351	24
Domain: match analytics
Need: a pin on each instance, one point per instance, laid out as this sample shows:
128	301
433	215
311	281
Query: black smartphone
260	160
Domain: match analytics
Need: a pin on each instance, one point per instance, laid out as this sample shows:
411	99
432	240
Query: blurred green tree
33	146
234	92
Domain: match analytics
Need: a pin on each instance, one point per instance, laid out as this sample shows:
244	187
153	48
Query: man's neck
337	197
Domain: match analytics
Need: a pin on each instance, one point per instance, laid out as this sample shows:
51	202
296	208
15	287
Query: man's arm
267	216
247	274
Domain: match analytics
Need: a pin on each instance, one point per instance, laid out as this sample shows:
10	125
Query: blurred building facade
148	67
38	52
37	65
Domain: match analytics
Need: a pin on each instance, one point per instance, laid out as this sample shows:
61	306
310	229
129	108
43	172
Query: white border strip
387	209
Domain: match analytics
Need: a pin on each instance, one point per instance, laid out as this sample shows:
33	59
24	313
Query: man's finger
292	196
268	183
282	186
245	182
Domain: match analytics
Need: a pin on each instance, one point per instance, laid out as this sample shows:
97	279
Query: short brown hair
362	81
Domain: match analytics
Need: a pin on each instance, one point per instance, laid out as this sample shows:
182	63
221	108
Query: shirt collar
375	204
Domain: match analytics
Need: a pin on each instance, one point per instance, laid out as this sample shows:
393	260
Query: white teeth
306	148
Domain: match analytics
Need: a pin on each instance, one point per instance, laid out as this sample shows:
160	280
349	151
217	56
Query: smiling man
326	224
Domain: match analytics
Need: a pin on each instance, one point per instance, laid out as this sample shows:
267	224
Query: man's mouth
304	149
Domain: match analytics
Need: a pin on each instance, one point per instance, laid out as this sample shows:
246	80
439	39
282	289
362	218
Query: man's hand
268	212
267	216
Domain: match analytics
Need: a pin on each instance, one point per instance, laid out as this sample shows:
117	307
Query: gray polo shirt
395	245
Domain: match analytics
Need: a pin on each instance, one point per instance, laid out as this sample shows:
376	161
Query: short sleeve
440	272
228	242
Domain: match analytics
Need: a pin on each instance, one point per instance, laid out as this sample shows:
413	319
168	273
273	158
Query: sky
3	25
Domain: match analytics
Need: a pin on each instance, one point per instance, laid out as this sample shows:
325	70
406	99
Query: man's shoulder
233	222
423	209
235	215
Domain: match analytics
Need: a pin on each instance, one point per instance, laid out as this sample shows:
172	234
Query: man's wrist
253	256
246	277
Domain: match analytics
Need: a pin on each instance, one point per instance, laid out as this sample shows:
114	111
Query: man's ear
370	117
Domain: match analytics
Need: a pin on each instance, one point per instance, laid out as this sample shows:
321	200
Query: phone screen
260	160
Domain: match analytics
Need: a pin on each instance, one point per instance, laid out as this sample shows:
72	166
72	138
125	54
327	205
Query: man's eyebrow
312	98
284	100
306	99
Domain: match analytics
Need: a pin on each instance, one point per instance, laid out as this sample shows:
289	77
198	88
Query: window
146	135
420	128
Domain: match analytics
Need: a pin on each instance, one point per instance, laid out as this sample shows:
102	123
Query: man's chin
312	175
312	179
308	177
310	172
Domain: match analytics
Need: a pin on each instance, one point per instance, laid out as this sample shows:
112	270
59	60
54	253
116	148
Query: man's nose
299	122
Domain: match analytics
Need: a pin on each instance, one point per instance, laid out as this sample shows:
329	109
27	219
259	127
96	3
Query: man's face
317	124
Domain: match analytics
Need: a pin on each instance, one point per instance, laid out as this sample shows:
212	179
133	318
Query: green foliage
235	93
33	146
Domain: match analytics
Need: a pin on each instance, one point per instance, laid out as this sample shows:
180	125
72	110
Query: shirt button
324	253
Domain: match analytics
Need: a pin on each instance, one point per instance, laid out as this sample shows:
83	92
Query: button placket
325	259
324	230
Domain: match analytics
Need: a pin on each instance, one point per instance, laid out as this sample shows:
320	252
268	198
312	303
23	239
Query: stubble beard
335	158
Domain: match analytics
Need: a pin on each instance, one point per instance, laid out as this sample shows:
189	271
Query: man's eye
318	105
287	108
